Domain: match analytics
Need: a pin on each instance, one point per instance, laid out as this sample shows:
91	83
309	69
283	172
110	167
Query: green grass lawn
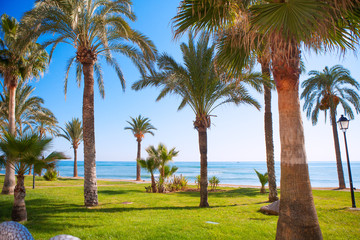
57	208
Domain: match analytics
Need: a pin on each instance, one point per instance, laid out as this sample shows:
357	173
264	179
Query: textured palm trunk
297	215
337	151
19	213
90	184
9	180
75	162
153	184
263	190
269	143
203	167
138	157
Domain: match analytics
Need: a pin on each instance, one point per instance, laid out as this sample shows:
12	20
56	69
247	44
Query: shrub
177	183
51	175
197	181
148	189
214	182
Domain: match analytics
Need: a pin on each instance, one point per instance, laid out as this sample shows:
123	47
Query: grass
57	208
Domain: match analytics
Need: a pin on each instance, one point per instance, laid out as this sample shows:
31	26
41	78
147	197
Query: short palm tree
202	87
264	179
73	132
324	91
150	164
163	156
95	29
21	153
18	59
286	26
139	127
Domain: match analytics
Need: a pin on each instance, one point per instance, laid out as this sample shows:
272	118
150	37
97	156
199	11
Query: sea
322	174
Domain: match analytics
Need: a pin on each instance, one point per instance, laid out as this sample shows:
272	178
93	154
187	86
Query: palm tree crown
327	89
140	126
73	132
199	82
93	28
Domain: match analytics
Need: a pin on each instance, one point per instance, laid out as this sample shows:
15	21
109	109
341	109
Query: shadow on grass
117	192
239	192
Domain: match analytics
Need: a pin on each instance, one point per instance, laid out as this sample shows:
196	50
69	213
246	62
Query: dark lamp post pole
344	125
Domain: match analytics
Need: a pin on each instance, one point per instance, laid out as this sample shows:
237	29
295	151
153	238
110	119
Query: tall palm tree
286	26
324	91
200	84
21	153
150	164
18	59
95	29
73	132
139	127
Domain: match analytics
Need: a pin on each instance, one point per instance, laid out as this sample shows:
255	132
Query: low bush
177	183
214	182
51	175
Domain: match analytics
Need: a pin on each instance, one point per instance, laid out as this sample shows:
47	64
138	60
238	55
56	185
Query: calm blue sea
322	174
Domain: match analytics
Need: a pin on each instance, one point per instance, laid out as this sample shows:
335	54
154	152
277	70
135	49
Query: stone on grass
14	231
271	209
64	237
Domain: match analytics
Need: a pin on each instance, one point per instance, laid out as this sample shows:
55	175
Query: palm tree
263	178
95	29
163	156
231	57
73	132
18	59
323	91
323	25
201	86
139	127
21	153
150	164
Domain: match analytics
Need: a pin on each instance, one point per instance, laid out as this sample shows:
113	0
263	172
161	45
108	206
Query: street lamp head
343	123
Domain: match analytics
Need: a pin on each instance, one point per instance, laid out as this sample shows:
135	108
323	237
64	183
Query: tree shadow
238	192
117	192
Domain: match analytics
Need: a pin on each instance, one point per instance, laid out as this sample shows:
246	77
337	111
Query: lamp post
344	125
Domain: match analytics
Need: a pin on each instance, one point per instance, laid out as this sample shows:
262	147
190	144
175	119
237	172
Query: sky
236	134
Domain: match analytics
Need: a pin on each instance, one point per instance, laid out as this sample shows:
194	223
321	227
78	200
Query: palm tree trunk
9	181
203	167
90	184
337	151
153	185
138	157
19	213
269	143
297	215
75	162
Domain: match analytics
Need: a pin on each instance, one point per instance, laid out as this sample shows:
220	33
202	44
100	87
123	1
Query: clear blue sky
236	134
